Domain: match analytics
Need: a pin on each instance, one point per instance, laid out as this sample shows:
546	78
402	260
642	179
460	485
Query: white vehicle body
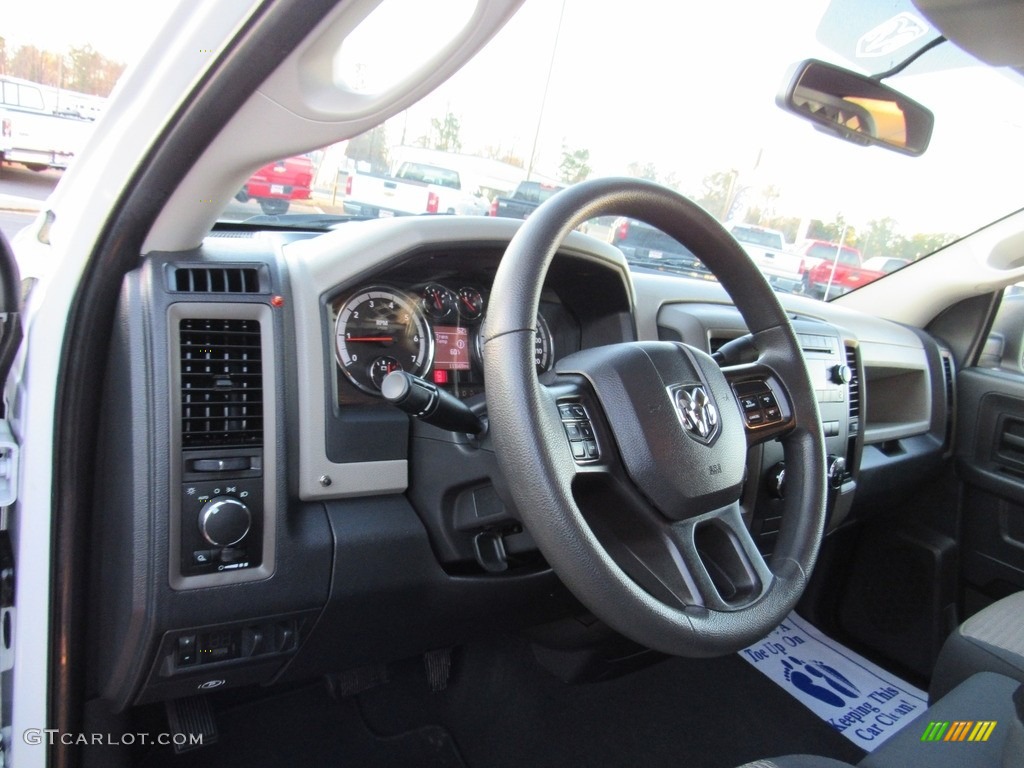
414	189
766	247
33	133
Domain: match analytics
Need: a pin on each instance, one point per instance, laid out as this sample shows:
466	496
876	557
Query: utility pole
544	98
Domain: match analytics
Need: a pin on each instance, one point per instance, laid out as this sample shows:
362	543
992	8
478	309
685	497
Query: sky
688	87
60	24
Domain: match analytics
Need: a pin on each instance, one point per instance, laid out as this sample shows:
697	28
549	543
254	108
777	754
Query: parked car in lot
446	490
34	130
837	275
883	265
648	247
414	189
767	248
814	252
524	199
276	184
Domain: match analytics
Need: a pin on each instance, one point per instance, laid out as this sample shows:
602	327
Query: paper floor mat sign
857	698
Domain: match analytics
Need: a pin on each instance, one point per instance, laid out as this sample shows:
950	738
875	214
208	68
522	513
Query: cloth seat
985	696
990	641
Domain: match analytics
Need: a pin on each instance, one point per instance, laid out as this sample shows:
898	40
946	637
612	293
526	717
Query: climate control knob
224	521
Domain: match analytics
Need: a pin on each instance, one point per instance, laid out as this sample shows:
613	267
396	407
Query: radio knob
841	374
224	521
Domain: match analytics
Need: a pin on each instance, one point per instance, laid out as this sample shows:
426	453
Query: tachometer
380	330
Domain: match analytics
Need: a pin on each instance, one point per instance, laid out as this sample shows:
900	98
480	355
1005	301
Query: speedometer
543	345
379	330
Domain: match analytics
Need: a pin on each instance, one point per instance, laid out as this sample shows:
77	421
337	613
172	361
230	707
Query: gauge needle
370	338
469	304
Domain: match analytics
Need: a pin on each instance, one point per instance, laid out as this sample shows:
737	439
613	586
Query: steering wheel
627	465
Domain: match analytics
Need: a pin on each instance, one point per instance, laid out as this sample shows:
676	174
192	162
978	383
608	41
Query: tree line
81	68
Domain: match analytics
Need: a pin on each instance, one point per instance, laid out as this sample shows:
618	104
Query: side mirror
856	108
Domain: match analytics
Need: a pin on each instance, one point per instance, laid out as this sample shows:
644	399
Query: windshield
603	92
678	93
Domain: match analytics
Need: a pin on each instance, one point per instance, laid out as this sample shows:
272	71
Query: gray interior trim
264	315
318	266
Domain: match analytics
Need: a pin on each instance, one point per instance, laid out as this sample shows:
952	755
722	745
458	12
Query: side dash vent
221	383
854	386
216	280
950	384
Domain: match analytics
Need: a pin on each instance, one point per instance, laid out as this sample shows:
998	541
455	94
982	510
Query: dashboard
271	516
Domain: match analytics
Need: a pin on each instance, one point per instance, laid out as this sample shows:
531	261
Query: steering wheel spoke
587	434
720	559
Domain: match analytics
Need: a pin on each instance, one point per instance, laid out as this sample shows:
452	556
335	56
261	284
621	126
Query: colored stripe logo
959	730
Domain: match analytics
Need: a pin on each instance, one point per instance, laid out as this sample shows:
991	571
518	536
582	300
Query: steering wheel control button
758	402
580	432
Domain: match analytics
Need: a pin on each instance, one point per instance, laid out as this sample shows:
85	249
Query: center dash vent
216	279
854	386
221	383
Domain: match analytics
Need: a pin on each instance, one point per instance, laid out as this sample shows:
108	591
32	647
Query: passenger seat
990	641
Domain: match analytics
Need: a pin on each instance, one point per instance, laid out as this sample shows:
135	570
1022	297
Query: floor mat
857	698
306	727
504	711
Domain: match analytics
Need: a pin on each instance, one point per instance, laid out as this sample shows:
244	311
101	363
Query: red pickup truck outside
837	274
276	184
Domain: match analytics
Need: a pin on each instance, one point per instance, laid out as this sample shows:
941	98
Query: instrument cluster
431	330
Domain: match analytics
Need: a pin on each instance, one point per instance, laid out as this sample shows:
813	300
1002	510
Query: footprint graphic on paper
806	676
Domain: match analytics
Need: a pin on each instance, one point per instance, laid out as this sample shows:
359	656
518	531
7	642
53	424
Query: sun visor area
991	30
876	35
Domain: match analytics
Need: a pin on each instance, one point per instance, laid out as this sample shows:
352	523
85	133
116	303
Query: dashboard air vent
854	390
216	280
221	383
947	376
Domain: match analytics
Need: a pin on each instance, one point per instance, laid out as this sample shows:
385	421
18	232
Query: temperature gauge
471	303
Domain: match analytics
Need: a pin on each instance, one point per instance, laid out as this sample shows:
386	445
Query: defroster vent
221	383
216	280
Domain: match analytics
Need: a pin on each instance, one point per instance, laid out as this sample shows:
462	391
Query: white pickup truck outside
416	188
766	248
35	130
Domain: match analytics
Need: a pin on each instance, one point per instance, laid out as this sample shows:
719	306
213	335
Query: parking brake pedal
194	720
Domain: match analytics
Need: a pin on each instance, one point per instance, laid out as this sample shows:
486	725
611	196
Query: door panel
990	460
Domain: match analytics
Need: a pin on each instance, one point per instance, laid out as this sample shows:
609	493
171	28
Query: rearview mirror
856	107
